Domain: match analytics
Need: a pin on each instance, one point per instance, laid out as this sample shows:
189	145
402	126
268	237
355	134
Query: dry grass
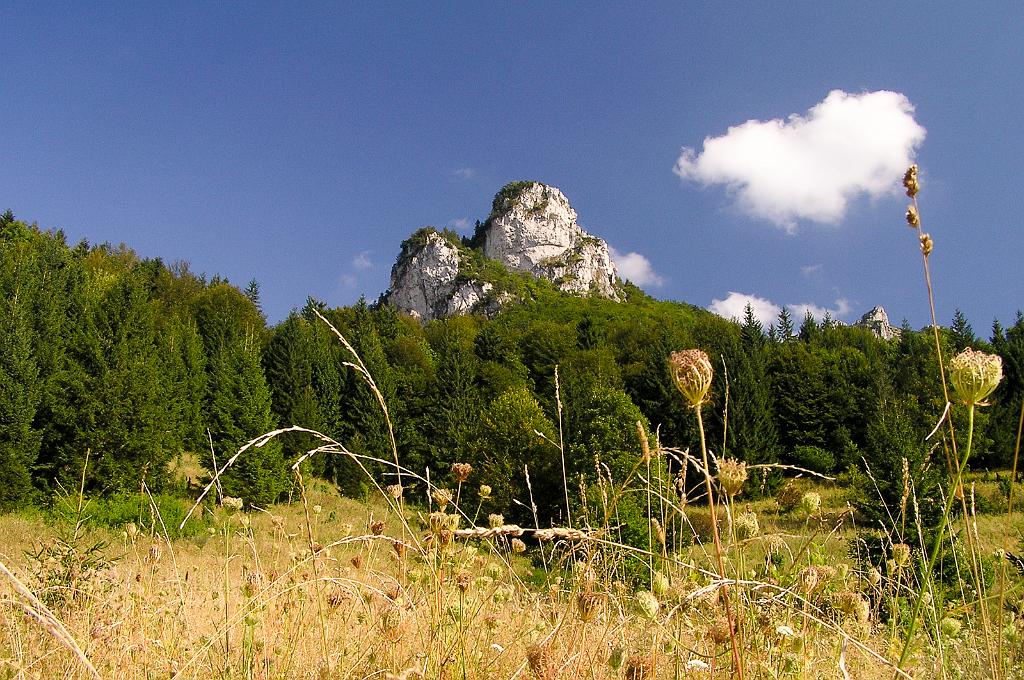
246	602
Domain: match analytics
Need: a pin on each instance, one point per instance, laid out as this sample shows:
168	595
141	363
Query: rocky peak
425	280
877	321
532	229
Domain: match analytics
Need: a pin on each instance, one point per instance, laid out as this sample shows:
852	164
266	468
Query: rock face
425	281
532	229
877	321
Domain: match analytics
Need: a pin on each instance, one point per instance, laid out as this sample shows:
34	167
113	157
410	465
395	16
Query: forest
120	366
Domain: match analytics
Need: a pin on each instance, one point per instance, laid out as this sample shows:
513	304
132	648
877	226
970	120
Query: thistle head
975	375
691	372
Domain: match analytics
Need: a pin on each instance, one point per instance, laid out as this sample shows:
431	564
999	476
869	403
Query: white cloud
636	268
808	167
362	261
735	304
464	173
460	224
811	270
767	312
799	311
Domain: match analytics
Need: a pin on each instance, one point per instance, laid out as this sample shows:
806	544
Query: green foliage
156	515
814	458
504	444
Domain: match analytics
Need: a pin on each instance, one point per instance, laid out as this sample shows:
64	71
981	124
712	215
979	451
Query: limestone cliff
877	321
532	230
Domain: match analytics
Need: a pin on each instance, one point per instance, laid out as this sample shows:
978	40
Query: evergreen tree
961	332
809	329
238	410
785	324
19	400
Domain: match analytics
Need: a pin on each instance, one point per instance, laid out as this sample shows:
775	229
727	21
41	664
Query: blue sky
298	144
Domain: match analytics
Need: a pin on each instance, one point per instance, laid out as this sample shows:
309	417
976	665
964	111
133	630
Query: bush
117	510
814	458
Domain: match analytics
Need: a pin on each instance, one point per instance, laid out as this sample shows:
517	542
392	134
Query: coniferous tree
961	332
19	401
238	410
785	325
809	329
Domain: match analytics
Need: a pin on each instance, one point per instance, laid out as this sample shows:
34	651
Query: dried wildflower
874	577
719	631
231	503
494	520
357	561
399	548
854	605
461	472
731	475
317	509
913	219
588	605
518	546
691	372
745	525
639	667
648	604
975	375
810	502
485	491
541	661
462	580
377	528
442	497
910	182
927	245
132	530
901	554
811	578
395	490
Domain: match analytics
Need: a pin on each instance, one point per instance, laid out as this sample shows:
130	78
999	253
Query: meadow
674	563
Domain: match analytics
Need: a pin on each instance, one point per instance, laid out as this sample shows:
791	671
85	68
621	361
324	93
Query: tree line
132	362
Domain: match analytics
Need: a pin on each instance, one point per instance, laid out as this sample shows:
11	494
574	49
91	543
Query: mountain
877	321
531	233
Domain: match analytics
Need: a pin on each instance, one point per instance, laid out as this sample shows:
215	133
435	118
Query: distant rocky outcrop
425	280
532	230
877	321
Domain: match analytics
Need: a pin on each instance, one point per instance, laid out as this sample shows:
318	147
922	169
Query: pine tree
961	332
238	408
785	325
19	400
